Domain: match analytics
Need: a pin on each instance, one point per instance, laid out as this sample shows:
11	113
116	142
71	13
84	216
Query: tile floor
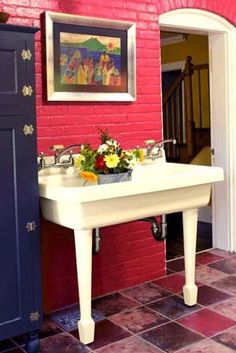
151	317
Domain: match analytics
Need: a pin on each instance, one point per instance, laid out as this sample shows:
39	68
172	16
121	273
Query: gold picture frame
90	59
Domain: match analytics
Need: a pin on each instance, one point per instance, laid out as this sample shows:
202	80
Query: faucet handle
56	148
149	142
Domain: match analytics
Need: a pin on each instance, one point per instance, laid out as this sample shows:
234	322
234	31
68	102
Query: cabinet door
12	71
20	295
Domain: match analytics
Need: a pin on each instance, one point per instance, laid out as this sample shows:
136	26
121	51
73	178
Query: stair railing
179	124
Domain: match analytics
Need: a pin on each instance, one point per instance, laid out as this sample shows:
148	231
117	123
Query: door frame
222	60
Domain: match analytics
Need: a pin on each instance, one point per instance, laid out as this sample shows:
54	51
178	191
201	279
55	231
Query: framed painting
89	59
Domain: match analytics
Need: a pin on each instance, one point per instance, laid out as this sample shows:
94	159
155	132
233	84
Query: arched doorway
222	53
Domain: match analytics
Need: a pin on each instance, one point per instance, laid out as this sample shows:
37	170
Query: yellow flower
141	155
89	176
112	160
78	161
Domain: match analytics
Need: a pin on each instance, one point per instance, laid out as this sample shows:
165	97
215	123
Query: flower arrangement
109	158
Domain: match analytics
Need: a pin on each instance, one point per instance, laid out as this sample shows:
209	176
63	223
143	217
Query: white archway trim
193	19
222	65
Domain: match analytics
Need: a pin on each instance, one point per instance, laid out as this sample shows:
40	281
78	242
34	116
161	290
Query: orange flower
89	176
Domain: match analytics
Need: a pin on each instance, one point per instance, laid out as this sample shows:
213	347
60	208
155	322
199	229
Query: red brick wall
129	255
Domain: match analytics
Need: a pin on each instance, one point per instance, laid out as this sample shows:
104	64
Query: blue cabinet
20	286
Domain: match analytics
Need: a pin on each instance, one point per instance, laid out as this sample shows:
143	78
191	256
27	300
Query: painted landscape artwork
87	59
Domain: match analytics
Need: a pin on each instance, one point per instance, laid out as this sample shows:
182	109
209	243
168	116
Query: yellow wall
197	47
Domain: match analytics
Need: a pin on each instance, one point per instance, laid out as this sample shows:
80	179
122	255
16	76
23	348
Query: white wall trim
222	54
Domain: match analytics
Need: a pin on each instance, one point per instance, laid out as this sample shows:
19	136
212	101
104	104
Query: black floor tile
6	345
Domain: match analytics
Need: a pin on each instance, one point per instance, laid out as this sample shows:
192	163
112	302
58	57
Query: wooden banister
173	87
178	121
188	100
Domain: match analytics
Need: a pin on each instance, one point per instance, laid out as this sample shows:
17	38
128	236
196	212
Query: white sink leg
190	237
83	246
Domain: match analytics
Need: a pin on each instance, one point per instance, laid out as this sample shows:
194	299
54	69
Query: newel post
188	98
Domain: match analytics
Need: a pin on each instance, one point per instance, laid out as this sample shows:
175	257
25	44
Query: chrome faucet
63	152
59	152
152	145
41	161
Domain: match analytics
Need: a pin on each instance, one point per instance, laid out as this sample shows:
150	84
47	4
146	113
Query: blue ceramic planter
114	178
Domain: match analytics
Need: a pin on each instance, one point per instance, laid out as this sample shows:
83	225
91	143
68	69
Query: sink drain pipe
163	226
159	230
96	240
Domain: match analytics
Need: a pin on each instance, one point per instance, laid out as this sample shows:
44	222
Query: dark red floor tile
138	319
129	345
62	342
113	304
49	329
207	322
208	295
146	293
176	265
206	257
206	274
105	332
173	307
227	308
227	338
227	284
227	265
171	337
206	346
174	282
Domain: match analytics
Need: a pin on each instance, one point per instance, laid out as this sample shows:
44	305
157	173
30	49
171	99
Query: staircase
183	113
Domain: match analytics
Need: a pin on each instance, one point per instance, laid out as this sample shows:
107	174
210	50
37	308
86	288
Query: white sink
65	199
156	188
